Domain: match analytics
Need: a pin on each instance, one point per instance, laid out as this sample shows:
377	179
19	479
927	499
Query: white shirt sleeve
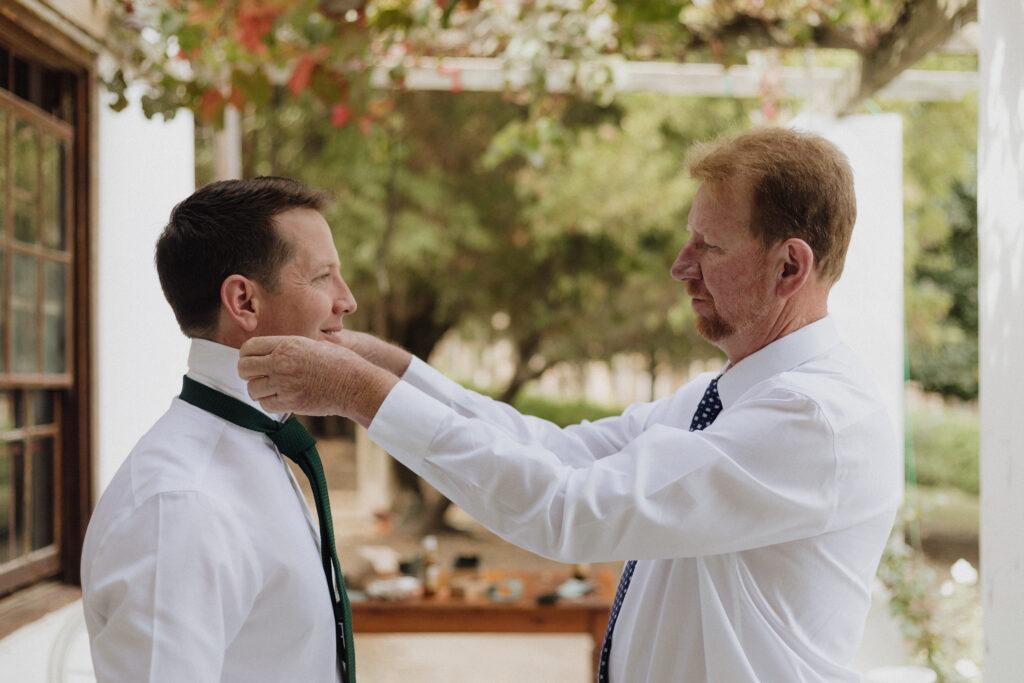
763	473
576	445
171	587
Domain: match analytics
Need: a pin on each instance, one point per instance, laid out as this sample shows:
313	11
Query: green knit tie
292	439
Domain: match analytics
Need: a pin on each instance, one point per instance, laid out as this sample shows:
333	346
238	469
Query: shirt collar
216	366
781	355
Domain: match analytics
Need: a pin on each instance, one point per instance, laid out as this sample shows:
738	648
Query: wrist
366	393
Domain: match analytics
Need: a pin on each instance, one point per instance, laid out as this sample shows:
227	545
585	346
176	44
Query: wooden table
445	614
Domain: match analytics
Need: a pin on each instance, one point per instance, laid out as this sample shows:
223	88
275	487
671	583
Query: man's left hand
300	375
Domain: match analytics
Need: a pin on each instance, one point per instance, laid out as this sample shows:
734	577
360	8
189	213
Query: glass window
37	241
23	315
42	407
3	309
3	170
55	276
53	229
7	399
42	502
6	505
26	182
15	451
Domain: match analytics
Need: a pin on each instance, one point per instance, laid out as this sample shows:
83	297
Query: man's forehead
720	205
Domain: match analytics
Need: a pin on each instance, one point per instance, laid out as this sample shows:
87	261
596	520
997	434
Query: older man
201	561
752	507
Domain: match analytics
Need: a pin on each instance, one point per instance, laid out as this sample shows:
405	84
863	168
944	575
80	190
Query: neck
232	338
761	333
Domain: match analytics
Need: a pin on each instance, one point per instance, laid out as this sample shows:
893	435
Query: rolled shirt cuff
432	382
407	421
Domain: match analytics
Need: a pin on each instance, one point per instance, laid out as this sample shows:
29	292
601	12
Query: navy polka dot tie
707	410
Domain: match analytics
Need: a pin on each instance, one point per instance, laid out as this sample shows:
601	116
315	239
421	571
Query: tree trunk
525	350
921	26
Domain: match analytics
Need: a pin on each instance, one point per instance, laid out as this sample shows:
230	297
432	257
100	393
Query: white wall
144	167
1001	310
867	302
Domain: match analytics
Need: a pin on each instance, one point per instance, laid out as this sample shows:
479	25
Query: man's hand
299	375
392	358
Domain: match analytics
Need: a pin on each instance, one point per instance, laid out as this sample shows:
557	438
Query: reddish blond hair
801	186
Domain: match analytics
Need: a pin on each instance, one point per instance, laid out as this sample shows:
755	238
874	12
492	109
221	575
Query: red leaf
254	23
211	105
302	74
237	98
340	114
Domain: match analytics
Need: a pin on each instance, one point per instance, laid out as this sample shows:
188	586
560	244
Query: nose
345	301
686	266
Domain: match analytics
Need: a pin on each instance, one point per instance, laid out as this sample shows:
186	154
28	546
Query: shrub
563	413
944	444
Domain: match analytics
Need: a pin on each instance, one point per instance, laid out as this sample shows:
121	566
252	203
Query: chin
714	329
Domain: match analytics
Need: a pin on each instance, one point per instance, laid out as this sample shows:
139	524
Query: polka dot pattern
707	410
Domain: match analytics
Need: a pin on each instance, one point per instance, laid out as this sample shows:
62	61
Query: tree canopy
206	54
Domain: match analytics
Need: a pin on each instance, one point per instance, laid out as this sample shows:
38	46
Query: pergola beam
696	80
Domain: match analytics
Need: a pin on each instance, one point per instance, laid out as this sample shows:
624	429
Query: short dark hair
222	229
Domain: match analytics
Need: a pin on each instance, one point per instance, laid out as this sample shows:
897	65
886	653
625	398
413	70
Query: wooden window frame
29	37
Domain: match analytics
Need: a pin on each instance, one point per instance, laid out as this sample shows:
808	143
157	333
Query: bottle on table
431	567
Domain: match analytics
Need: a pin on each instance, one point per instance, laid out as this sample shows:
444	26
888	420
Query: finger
260	346
251	367
261	388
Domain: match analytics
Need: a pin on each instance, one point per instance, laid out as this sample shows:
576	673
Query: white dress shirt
757	538
201	561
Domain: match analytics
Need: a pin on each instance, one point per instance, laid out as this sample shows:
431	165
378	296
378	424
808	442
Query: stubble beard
714	328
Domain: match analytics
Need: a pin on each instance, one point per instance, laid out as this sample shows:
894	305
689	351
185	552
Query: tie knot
292	438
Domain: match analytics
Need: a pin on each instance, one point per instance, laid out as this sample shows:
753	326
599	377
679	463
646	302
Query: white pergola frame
694	80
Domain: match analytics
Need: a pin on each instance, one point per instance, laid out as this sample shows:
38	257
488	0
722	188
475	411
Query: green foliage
563	413
574	252
940	245
946	444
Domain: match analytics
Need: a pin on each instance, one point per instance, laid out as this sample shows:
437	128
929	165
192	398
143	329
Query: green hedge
563	413
944	445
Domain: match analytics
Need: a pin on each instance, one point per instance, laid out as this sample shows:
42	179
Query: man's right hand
392	358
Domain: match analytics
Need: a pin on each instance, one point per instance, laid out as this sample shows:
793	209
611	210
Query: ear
796	266
240	298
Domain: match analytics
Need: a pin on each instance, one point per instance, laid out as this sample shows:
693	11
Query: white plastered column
144	167
1001	303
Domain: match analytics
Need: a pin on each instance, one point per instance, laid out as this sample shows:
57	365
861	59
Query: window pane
3	309
53	193
3	170
22	81
42	494
23	314
7	410
16	453
26	157
5	61
6	499
25	220
55	317
42	407
18	398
